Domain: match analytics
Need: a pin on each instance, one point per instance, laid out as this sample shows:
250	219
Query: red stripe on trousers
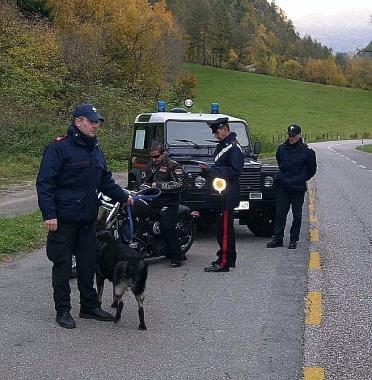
224	237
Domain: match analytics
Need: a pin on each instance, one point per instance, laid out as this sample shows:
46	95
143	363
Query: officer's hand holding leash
130	200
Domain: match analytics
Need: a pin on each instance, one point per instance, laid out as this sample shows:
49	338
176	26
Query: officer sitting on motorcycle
168	176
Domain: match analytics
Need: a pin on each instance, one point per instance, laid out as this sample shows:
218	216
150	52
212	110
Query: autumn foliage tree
129	44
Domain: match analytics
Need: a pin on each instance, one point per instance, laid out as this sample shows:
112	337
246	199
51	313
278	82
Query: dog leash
142	197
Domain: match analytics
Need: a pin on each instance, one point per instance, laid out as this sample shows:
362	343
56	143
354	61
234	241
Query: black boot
216	268
65	320
97	313
274	243
292	245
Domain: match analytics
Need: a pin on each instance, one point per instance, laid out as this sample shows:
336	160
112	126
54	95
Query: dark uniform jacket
169	178
228	164
297	164
72	171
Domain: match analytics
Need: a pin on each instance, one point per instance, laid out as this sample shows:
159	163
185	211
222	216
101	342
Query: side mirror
257	147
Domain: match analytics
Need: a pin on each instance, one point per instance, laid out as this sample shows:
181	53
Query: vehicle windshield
197	133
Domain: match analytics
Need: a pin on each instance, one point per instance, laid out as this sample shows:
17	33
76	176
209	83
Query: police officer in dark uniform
297	164
228	164
73	169
168	176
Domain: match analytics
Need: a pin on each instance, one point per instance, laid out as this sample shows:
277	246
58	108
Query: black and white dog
124	267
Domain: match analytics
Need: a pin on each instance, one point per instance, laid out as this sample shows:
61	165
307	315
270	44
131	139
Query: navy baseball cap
88	111
218	123
294	130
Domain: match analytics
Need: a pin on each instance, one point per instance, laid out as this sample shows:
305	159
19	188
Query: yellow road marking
314	373
311	206
314	235
313	308
314	261
313	218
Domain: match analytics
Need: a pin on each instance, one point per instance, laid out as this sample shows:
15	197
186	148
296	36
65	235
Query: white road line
341	155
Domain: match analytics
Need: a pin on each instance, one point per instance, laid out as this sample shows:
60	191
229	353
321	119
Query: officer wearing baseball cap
228	164
294	130
297	164
72	171
88	111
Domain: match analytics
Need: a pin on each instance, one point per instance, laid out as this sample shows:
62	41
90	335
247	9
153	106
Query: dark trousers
226	238
284	200
168	221
61	244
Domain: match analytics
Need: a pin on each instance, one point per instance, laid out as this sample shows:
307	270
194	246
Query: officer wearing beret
297	164
228	164
73	169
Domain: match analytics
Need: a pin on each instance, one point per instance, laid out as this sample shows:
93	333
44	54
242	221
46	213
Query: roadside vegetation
365	148
20	234
270	104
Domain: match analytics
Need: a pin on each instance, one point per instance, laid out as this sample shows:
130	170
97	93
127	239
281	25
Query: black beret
218	123
294	130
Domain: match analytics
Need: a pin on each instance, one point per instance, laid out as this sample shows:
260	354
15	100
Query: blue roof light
161	106
215	108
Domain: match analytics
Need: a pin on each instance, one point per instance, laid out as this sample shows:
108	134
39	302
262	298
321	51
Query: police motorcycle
138	225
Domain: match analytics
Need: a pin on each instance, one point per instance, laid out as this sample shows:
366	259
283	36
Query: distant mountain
343	32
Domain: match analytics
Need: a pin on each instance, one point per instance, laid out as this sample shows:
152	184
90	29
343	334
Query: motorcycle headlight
269	181
200	182
219	184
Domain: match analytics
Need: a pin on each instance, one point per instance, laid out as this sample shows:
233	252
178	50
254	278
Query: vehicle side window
159	133
139	138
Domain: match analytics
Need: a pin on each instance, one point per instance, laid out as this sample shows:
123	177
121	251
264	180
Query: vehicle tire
262	226
185	235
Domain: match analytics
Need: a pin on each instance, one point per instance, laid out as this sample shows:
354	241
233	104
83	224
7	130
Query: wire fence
279	137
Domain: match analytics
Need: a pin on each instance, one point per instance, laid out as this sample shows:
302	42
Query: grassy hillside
270	104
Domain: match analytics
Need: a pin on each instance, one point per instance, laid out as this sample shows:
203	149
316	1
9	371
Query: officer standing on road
168	176
73	169
297	164
228	164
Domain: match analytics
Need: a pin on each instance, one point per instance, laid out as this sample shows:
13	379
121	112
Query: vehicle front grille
250	180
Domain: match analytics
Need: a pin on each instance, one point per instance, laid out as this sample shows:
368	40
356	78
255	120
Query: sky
298	8
343	25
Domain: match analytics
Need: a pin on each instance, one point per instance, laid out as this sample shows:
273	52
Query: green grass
270	104
20	235
14	169
365	148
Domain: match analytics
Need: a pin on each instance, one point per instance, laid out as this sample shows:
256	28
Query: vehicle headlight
219	184
269	181
200	182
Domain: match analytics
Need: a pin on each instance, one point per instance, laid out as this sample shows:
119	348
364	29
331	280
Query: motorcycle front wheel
185	231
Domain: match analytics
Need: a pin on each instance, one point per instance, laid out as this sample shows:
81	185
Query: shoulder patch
60	138
178	171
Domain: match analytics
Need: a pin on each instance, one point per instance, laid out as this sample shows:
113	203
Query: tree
291	69
132	44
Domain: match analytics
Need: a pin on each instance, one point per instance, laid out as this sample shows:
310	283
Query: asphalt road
343	185
245	324
22	199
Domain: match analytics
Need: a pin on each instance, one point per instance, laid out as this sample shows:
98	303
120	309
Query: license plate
255	195
244	205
